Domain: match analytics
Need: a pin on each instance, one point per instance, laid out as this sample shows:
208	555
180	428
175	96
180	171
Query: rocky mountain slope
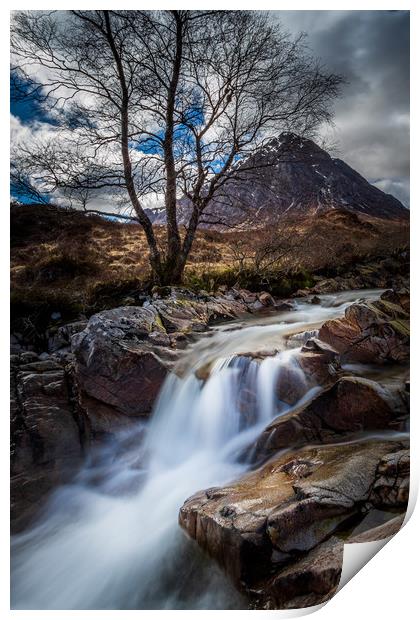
293	176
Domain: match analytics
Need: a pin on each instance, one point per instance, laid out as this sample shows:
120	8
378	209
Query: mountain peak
292	176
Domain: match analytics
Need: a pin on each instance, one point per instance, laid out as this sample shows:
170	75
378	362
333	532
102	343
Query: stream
111	539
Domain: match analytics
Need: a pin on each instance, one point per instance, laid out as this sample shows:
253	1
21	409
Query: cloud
371	50
399	189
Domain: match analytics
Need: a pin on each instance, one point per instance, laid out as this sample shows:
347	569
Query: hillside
66	261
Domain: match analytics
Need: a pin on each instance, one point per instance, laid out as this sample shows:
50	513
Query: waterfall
111	540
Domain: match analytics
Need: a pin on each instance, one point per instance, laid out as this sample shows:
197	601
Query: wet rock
123	355
400	297
48	433
284	306
391	488
247	296
370	332
181	315
315	300
28	356
302	292
297	340
271	516
266	299
309	581
314	578
119	365
350	405
320	362
315	365
330	285
221	309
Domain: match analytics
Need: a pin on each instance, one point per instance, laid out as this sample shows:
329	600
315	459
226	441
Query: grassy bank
72	264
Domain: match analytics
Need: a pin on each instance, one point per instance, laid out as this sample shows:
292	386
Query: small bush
210	280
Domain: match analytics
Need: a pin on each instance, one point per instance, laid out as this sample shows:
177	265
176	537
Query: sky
370	49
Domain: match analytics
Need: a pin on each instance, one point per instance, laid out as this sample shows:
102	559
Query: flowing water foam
111	540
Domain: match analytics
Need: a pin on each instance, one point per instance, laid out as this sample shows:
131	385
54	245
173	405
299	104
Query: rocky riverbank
279	530
275	529
97	377
316	478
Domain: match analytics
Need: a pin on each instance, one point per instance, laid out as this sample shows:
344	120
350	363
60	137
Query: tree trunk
154	254
173	237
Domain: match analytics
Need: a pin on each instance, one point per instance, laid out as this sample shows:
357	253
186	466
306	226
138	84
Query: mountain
293	176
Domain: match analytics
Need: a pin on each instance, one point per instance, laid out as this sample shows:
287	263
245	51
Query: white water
111	539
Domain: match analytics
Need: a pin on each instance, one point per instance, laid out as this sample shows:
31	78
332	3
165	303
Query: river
111	539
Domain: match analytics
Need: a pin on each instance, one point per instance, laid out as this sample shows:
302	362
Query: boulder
285	306
121	361
222	309
370	332
399	297
267	519
266	299
315	365
329	285
299	339
302	292
123	356
247	296
320	362
351	405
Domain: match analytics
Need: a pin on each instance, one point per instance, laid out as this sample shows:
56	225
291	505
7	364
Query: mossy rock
392	310
157	324
401	327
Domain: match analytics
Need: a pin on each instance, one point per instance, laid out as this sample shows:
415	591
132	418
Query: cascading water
111	540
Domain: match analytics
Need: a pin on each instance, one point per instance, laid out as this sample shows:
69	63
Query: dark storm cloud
371	50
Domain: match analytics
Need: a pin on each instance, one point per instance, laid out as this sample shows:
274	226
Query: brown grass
76	263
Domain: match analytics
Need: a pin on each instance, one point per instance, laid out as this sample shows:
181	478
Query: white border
387	586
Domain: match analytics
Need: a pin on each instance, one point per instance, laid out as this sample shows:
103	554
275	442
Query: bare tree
165	104
275	249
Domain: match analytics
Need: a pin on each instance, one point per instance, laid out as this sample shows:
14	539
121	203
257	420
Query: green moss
210	280
392	310
401	327
158	324
185	303
276	282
